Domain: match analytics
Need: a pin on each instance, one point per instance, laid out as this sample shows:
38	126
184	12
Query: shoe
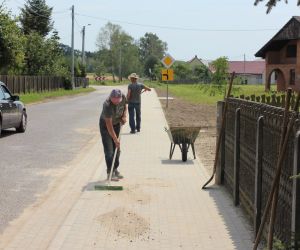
132	132
113	177
118	175
138	130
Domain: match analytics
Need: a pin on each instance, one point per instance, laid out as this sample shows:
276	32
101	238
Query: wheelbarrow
185	138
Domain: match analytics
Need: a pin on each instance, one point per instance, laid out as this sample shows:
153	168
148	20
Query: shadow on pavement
239	232
6	133
177	162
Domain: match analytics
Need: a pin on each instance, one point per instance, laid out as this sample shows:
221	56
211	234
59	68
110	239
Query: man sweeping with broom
113	116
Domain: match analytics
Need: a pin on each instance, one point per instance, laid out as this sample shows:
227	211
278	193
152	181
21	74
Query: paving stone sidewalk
162	205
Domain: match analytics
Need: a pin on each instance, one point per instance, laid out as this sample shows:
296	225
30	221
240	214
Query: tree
272	3
36	17
202	73
221	67
11	44
152	49
117	51
182	71
44	56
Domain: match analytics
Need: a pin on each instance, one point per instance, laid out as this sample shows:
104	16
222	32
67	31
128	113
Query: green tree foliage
182	71
272	3
36	17
43	56
11	44
117	51
202	73
221	67
152	50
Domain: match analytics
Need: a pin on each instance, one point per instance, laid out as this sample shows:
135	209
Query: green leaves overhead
272	3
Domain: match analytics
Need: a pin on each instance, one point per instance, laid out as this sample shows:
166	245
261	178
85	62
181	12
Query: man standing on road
134	102
112	117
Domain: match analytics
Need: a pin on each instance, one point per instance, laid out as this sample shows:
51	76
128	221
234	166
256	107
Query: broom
108	185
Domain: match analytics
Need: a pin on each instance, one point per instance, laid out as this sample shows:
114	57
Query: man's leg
131	117
138	116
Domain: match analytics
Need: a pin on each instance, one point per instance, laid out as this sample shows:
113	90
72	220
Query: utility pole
120	64
244	69
72	69
83	52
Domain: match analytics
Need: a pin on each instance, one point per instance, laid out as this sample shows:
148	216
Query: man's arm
146	88
111	131
128	94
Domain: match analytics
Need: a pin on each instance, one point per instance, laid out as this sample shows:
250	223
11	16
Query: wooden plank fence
33	84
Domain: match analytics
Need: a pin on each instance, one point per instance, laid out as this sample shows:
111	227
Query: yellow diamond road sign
168	60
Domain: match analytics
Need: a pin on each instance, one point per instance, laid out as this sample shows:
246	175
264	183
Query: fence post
258	173
296	195
221	163
236	180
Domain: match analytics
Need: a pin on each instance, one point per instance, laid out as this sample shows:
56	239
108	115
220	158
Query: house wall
279	57
277	61
195	63
298	66
252	79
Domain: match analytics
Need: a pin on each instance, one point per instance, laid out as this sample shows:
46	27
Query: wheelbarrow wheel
184	151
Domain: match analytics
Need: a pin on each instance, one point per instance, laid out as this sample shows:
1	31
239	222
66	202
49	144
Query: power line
176	28
78	25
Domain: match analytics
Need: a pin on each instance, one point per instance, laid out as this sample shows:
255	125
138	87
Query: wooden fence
31	84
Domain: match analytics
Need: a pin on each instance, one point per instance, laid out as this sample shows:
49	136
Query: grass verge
38	97
207	93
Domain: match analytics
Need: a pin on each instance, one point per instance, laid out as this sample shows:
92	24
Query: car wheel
23	124
0	126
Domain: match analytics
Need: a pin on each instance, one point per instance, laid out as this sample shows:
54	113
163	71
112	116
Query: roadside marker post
167	74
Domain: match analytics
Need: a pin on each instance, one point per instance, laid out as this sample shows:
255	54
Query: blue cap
115	93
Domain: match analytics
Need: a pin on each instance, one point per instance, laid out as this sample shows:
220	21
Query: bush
67	83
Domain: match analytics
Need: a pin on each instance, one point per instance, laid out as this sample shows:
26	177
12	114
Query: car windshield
7	95
2	96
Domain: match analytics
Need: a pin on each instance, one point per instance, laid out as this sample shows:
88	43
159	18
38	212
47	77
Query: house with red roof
282	56
250	72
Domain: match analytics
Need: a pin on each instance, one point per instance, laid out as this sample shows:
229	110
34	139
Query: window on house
291	50
292	77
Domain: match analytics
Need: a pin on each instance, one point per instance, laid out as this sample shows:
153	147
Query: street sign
167	75
168	60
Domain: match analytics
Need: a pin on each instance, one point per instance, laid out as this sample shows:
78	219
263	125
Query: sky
206	28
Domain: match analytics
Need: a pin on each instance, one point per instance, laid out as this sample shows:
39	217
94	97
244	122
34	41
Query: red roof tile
251	67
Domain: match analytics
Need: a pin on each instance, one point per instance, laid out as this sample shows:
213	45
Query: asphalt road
56	132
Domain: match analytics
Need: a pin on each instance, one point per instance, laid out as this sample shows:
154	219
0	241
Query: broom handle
221	130
114	159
